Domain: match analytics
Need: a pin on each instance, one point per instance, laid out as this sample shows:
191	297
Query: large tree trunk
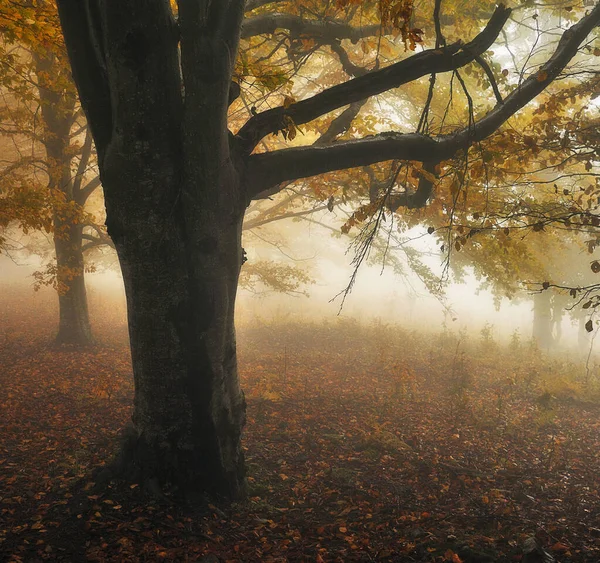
180	259
174	210
189	409
74	321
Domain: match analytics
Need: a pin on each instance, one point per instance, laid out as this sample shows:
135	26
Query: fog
377	293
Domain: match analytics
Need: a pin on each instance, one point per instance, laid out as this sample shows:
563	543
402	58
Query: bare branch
329	30
488	72
86	153
373	83
253	224
85	192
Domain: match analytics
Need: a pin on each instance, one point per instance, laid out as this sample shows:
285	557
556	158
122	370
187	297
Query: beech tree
156	85
45	182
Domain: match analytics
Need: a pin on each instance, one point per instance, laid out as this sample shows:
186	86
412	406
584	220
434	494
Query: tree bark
174	208
74	321
180	264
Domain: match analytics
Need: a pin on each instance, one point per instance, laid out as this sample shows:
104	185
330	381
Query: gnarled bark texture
180	262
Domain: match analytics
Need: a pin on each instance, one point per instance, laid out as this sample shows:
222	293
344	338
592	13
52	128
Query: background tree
46	180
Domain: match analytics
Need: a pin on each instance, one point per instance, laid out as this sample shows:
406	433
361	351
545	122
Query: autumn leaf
560	547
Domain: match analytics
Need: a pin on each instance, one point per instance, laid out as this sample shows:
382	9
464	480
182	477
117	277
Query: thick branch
86	153
95	242
269	169
329	30
88	71
418	198
340	124
349	67
100	239
272	168
84	193
254	4
254	223
372	83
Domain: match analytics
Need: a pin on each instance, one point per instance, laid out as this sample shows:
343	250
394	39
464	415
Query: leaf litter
364	442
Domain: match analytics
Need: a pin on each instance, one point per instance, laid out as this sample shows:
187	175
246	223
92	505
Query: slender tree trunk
583	336
542	319
74	322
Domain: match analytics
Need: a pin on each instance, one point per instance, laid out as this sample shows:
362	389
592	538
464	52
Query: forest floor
363	443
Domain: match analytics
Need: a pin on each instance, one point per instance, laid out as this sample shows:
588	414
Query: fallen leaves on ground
363	443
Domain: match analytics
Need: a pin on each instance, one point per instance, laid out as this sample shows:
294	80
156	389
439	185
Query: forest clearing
363	443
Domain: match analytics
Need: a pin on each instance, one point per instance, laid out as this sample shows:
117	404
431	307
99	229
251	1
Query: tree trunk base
180	476
74	323
81	340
